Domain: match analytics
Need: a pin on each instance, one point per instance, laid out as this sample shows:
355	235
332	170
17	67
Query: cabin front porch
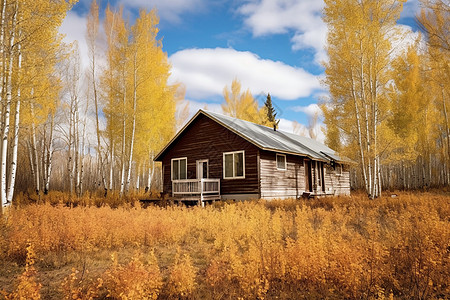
198	190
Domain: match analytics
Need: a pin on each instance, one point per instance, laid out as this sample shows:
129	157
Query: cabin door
320	176
308	175
202	169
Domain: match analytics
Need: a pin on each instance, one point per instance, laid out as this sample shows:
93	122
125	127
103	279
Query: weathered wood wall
205	139
291	183
275	183
337	184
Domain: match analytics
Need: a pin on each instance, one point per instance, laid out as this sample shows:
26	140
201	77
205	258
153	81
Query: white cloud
311	110
303	17
402	37
300	129
74	29
287	125
205	72
194	106
170	10
265	17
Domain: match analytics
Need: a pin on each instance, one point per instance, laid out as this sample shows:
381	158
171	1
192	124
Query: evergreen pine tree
271	114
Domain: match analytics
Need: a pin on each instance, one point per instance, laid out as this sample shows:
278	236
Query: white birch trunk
122	175
111	167
7	112
133	129
100	166
138	178
34	152
69	159
82	150
76	150
13	170
151	172
3	71
49	158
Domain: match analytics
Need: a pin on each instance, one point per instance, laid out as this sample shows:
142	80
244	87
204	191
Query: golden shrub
26	287
134	280
347	247
181	280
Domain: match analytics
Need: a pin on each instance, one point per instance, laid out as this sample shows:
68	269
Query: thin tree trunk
13	169
122	175
111	167
76	149
138	178
34	149
7	112
151	172
133	129
82	154
100	166
69	160
447	129
49	157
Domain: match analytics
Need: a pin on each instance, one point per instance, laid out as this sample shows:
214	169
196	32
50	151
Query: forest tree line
93	129
98	129
388	106
77	130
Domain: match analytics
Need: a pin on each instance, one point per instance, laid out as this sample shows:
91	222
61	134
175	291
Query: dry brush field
331	248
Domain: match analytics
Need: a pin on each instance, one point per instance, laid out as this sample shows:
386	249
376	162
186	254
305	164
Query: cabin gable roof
265	138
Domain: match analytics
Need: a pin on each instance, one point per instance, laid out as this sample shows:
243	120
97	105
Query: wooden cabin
215	157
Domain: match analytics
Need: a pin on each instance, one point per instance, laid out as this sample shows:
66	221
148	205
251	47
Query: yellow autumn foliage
336	248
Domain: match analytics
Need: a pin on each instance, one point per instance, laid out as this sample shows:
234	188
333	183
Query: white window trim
243	163
171	167
285	162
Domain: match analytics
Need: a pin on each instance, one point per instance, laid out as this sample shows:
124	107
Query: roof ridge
271	128
263	137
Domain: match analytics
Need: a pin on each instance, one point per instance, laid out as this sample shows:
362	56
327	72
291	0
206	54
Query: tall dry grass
328	248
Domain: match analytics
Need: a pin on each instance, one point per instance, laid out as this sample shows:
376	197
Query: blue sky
271	46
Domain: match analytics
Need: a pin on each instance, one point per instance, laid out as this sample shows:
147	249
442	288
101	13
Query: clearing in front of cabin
345	247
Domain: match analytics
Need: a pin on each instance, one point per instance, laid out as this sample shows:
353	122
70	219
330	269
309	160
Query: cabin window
281	162
234	165
179	168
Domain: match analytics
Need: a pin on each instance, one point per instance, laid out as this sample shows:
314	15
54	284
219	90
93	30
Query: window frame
171	168
234	173
285	161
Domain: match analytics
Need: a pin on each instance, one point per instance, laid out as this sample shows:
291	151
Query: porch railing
194	187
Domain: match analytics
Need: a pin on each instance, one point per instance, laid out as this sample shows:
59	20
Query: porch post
201	193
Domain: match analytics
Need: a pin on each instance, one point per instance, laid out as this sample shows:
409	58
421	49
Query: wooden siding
206	139
292	182
275	183
338	185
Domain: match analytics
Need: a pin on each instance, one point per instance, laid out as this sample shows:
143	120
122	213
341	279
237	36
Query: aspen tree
242	105
28	36
115	87
92	35
139	104
7	83
108	87
434	19
156	100
359	51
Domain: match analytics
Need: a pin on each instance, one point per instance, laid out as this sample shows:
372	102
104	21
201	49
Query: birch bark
7	112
